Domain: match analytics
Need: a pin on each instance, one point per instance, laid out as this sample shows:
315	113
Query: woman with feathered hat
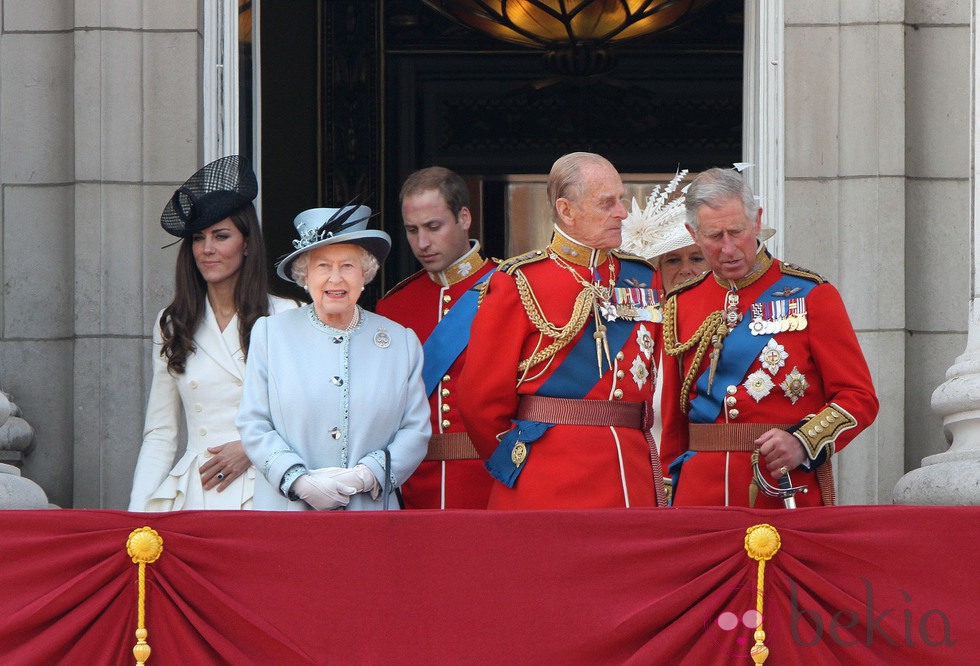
334	412
200	343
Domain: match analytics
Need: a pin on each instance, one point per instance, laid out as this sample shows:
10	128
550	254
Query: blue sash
450	337
574	378
739	350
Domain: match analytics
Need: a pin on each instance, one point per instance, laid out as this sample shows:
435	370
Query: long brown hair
181	318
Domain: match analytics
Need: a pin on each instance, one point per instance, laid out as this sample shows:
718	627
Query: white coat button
198	407
203	431
193	383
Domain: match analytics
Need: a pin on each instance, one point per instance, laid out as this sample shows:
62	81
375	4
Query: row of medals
630	303
778	317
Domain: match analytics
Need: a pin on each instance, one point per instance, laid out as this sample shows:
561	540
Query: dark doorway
359	93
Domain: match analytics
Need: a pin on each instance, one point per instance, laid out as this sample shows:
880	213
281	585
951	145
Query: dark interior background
356	94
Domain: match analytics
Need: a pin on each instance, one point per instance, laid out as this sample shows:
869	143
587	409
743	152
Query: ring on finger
221	475
783	471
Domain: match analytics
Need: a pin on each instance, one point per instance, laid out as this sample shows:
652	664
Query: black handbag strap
387	483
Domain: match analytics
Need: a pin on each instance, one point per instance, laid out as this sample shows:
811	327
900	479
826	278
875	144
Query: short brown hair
449	184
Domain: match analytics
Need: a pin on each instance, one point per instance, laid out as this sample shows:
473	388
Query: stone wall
99	114
877	103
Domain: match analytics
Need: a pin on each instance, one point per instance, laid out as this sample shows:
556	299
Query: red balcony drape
850	585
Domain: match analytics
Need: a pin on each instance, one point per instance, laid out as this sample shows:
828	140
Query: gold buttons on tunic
446	423
731	400
733	413
620	374
444	392
620	356
732	390
618	394
445	407
446	298
445	378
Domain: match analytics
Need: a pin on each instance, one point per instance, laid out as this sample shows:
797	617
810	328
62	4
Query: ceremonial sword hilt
786	491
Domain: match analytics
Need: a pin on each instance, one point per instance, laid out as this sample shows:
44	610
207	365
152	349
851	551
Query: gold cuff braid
821	430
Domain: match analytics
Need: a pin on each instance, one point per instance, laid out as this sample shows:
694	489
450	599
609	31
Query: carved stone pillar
953	477
16	434
16	441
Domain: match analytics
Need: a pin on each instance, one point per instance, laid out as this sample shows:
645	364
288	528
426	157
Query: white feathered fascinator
657	228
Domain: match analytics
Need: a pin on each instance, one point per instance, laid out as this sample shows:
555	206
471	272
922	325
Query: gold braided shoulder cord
711	329
562	335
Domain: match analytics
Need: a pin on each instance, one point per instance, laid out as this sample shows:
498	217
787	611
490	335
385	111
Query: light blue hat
332	226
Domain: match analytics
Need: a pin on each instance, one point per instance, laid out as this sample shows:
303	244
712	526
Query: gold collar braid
711	331
562	335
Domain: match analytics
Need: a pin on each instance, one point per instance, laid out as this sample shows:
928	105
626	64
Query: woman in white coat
200	342
334	412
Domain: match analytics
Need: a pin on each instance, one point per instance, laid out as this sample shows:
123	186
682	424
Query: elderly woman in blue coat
334	411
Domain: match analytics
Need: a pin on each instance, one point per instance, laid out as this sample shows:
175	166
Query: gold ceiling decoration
575	34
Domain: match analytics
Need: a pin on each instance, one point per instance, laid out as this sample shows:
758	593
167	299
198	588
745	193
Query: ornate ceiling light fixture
575	34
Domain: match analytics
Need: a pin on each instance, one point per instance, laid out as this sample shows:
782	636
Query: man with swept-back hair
761	356
560	365
438	303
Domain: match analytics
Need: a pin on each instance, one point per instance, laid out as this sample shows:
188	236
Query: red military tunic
816	378
569	466
419	303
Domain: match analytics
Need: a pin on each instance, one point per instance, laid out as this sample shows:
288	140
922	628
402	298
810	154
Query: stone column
953	477
16	441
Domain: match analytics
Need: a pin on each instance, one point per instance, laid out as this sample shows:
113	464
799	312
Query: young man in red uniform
760	355
438	303
561	359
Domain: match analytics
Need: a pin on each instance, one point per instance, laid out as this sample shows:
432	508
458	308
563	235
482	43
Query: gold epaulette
687	284
483	286
800	272
403	283
482	289
510	265
626	256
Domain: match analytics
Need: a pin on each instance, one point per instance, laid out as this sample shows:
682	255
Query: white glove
321	489
361	478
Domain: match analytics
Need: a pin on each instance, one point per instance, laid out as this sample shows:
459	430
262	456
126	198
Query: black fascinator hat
213	193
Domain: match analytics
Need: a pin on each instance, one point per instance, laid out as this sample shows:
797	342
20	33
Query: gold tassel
761	543
145	546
